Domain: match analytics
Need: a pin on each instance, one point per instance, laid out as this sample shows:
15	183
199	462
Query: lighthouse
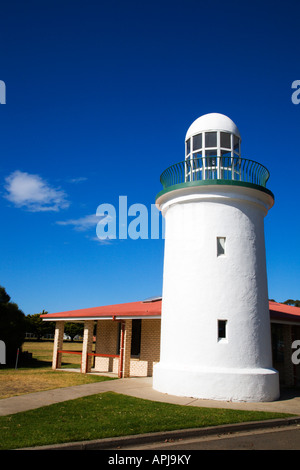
215	325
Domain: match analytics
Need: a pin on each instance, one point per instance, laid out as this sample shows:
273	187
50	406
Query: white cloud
80	179
105	241
83	223
33	193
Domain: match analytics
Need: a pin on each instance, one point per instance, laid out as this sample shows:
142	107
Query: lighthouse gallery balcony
209	170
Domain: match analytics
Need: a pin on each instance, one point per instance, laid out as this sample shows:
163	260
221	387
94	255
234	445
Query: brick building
125	338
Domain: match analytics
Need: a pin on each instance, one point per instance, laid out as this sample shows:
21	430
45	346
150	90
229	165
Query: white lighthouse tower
215	327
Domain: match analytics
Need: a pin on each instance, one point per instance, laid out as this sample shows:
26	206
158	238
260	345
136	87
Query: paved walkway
140	387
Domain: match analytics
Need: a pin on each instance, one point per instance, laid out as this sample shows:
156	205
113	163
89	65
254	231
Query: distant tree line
294	303
39	328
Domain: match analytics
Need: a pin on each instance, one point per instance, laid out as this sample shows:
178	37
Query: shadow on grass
33	363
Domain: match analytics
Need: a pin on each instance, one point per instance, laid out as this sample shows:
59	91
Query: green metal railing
215	168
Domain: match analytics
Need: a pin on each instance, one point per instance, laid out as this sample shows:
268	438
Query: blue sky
99	96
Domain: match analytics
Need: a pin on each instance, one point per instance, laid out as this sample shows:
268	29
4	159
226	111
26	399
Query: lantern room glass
211	154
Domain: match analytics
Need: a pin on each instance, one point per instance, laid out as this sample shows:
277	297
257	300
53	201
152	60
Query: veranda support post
127	349
87	346
58	343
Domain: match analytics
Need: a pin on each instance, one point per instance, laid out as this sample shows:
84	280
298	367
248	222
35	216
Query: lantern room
212	135
212	147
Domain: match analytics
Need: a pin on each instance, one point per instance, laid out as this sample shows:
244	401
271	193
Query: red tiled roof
284	313
278	312
128	310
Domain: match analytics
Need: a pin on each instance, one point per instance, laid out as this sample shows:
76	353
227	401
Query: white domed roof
212	122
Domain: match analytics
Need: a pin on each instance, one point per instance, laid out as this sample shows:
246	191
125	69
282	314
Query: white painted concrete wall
200	288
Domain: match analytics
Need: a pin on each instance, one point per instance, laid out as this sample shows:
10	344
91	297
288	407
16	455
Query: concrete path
140	387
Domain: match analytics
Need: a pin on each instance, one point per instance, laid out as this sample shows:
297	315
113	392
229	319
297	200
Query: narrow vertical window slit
222	329
221	242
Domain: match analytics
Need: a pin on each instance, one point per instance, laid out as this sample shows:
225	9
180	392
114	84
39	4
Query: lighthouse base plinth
224	384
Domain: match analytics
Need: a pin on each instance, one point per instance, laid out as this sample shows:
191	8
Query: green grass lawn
19	382
42	352
108	415
37	375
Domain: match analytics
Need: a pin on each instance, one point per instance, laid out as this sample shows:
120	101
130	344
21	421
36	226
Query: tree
35	325
4	297
73	329
295	303
12	326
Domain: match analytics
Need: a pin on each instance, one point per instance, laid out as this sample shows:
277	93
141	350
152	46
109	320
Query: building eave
96	318
148	310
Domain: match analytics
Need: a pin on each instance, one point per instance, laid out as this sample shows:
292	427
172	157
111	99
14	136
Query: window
225	140
197	163
210	139
236	144
197	142
136	337
222	329
197	155
226	153
188	146
211	153
221	241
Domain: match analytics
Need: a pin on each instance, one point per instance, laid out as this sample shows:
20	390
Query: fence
209	168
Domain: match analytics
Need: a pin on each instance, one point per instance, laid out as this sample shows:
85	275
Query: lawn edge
139	439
